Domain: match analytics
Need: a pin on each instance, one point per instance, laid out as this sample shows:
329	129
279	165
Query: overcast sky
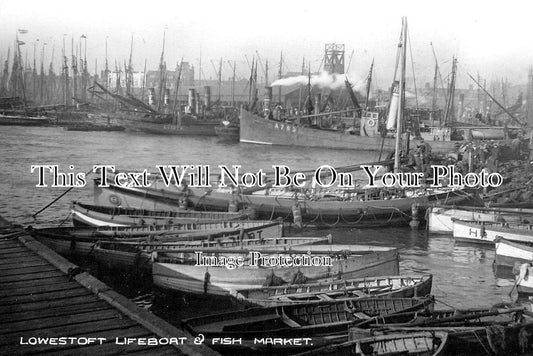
493	38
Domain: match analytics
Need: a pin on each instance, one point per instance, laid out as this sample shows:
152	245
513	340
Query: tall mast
399	120
129	71
434	101
161	74
279	76
233	85
178	78
106	70
368	84
451	95
74	69
219	80
144	81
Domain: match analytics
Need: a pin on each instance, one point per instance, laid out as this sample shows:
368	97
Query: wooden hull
326	212
222	281
324	323
509	253
487	233
388	287
9	120
249	228
189	127
258	130
422	343
132	255
440	219
93	215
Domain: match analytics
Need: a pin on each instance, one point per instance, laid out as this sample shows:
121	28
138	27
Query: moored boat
470	331
139	253
16	120
95	215
508	253
364	208
422	343
218	272
81	241
440	218
387	286
485	232
249	228
322	323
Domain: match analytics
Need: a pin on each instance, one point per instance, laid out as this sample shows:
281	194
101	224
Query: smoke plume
322	80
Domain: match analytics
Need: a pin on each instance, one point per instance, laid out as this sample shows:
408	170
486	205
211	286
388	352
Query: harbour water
463	274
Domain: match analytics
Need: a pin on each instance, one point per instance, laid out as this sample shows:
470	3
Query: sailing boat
333	207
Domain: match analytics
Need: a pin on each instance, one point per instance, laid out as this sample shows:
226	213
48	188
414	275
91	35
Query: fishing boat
423	343
220	271
439	218
387	286
187	125
81	241
95	215
138	253
322	323
249	228
87	126
508	253
487	232
470	331
21	120
361	208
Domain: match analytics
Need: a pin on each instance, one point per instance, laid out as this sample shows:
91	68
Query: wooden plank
14	260
43	296
43	281
56	311
109	335
11	250
37	289
9	244
26	270
86	298
71	320
23	264
101	327
30	276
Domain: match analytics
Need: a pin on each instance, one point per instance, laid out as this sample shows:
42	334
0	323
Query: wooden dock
50	306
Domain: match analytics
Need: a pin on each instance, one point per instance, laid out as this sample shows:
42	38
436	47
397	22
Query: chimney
207	97
192	101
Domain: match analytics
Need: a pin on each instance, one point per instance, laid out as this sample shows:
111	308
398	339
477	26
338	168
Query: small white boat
440	218
190	273
524	280
508	253
484	232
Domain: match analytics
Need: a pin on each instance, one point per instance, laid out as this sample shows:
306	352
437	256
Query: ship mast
399	120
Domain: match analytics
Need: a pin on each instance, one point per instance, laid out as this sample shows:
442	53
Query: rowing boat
440	218
219	271
486	232
322	323
423	343
95	215
387	286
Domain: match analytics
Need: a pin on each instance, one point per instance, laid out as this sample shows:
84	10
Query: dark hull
23	121
319	213
258	130
187	126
